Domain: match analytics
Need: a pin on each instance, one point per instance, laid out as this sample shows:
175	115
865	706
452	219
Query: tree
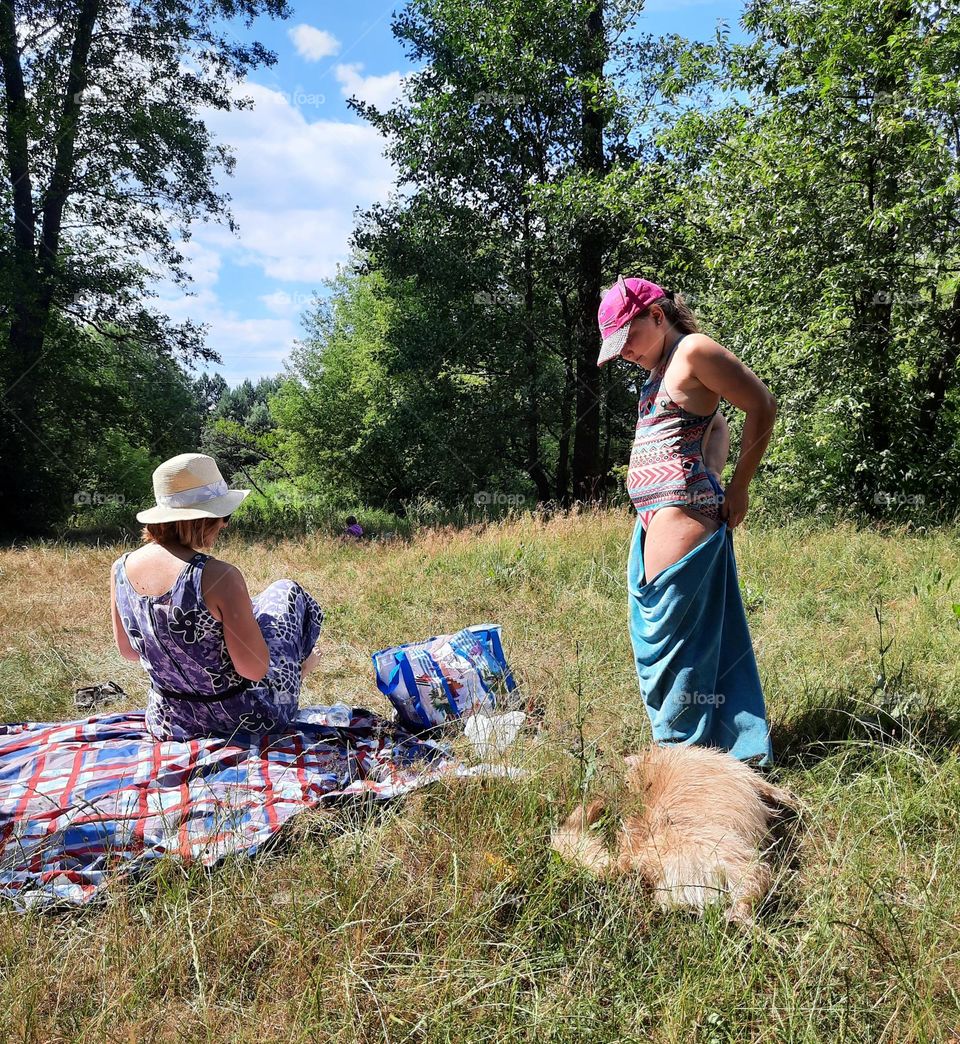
513	97
827	192
361	419
106	163
131	408
240	431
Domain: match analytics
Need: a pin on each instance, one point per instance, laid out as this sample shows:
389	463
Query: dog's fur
697	838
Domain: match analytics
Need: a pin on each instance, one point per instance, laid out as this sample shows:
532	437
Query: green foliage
364	421
801	188
500	279
826	196
281	509
241	435
107	163
114	411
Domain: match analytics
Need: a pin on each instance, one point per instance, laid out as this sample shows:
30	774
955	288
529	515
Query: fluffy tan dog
696	836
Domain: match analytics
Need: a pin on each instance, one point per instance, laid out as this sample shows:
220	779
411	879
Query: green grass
444	917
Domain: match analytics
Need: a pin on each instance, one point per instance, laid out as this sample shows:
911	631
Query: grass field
444	917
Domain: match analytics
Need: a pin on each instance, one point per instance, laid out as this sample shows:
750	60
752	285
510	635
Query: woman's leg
290	620
675	530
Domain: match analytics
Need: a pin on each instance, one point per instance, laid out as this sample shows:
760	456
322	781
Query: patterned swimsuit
194	688
666	465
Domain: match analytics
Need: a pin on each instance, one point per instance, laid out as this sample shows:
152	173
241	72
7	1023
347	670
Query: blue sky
305	162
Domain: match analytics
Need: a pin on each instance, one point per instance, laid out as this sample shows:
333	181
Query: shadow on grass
842	721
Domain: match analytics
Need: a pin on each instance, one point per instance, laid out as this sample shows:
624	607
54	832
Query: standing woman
695	661
218	661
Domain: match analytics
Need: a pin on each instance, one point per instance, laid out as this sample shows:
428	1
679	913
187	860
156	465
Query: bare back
153	570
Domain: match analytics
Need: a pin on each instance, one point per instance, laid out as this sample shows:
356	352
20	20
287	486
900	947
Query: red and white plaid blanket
81	799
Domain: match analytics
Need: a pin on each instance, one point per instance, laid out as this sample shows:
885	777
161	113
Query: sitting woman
218	662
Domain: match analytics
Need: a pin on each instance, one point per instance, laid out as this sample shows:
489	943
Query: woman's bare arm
721	371
229	600
126	650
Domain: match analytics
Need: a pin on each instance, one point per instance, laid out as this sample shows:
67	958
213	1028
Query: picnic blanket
694	657
81	799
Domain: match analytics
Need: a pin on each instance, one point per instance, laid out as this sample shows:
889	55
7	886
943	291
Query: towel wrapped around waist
695	661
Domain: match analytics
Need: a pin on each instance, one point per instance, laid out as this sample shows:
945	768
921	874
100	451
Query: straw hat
191	486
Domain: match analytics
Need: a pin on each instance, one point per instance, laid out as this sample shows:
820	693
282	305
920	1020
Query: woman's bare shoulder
222	579
218	569
698	342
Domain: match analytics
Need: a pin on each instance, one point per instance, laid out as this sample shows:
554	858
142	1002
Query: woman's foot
310	664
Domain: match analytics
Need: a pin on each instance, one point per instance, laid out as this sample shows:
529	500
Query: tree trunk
607	425
937	382
566	419
27	482
20	474
586	442
874	308
535	467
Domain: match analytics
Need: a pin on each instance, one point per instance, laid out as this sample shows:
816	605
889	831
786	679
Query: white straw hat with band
191	486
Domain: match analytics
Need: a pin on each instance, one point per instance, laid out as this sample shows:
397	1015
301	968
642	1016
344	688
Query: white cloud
249	347
381	91
312	44
203	264
296	185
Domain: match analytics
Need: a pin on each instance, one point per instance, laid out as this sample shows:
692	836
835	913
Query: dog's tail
577	843
776	796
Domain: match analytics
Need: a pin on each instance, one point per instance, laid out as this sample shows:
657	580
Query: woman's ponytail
679	313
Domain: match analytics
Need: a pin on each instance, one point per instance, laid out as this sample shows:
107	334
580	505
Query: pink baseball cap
625	300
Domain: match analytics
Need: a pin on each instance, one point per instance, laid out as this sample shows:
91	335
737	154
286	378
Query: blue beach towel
694	658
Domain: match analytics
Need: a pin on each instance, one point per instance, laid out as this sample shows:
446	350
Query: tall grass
444	917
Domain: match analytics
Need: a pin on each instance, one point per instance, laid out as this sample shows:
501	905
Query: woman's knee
282	586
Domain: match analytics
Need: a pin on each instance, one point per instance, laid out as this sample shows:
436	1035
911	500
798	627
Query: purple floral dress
194	688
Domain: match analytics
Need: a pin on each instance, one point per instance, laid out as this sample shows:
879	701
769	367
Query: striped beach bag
449	676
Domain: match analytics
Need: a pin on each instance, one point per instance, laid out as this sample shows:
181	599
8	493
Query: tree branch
58	192
17	121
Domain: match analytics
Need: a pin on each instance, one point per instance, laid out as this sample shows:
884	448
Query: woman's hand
734	506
